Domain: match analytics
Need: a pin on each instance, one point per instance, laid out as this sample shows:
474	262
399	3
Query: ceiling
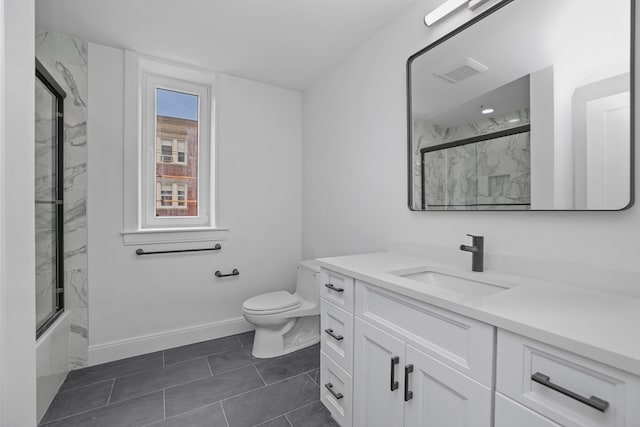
585	41
507	99
287	43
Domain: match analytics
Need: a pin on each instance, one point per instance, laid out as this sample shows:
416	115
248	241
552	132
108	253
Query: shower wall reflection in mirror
536	116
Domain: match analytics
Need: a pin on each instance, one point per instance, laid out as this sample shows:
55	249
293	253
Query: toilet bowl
286	322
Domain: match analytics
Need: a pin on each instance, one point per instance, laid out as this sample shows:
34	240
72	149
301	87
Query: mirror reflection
536	116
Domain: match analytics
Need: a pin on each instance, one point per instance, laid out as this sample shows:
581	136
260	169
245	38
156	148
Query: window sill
173	235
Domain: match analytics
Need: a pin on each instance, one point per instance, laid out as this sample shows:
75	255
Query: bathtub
52	362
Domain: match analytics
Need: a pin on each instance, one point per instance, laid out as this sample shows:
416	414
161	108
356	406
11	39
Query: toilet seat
271	303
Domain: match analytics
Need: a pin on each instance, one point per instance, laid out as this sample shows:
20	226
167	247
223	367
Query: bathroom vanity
407	342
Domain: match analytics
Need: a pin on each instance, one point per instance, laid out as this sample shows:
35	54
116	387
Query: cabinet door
510	413
378	382
442	396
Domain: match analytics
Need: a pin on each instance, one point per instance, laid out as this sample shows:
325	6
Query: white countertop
601	326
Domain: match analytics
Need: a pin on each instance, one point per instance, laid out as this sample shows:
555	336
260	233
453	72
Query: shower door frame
467	141
47	79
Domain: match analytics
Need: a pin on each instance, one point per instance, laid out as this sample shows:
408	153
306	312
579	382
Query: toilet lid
271	301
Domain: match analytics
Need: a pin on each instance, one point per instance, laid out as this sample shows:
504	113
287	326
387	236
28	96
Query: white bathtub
52	362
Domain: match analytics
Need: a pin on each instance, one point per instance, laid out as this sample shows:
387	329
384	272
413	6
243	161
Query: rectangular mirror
526	107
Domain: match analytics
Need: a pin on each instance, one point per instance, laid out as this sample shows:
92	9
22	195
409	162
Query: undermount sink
457	284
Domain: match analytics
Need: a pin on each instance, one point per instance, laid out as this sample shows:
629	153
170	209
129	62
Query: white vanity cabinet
400	352
506	411
336	345
556	387
403	362
378	395
418	365
396	384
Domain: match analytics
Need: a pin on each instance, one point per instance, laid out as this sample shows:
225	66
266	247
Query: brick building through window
176	167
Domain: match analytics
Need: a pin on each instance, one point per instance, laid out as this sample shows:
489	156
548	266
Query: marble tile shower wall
66	59
494	172
490	172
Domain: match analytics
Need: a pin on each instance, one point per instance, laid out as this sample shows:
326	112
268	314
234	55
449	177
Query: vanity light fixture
449	7
487	110
474	4
443	10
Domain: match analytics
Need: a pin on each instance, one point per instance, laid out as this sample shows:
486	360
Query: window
169	159
177	129
165	196
182	147
166	151
170	195
182	191
170	150
176	118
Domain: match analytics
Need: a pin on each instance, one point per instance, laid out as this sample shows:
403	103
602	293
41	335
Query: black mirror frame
465	26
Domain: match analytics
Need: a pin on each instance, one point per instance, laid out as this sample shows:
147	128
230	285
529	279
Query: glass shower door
49	98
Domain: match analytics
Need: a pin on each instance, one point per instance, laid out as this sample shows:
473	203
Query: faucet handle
472	235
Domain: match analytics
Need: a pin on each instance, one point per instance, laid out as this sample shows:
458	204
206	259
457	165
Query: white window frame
150	83
140	225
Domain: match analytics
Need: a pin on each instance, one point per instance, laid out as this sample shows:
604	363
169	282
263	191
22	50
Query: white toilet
287	322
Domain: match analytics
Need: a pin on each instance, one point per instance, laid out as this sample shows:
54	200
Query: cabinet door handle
408	394
334	336
333	288
594	402
329	387
394	384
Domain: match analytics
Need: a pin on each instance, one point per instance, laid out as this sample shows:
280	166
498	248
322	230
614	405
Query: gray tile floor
214	383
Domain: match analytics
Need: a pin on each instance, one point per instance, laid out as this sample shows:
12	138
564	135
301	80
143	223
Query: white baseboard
107	352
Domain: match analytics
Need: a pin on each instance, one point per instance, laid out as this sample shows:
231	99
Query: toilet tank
308	282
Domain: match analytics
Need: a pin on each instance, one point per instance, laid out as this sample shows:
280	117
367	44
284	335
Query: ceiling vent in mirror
470	67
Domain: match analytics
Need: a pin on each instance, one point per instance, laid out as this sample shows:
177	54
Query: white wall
542	138
354	171
17	258
139	304
3	245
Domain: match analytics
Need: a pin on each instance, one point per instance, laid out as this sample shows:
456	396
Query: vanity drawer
462	343
508	411
336	330
337	289
336	390
553	382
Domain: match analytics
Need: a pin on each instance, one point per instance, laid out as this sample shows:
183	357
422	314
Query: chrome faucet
477	252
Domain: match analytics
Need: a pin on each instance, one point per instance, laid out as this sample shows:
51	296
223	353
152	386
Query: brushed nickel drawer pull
593	401
329	387
333	288
408	394
394	384
334	336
